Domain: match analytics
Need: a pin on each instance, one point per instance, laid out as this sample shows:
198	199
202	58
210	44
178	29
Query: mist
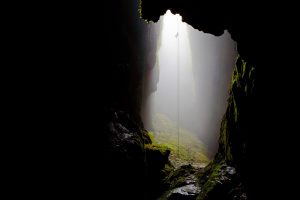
191	78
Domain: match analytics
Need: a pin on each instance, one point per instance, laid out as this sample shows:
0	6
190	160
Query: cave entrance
192	77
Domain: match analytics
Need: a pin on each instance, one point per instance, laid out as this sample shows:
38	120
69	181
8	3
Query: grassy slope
191	149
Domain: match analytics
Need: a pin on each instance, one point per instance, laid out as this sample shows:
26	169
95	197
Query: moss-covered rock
182	184
131	160
180	176
221	178
157	158
220	181
216	181
158	168
233	132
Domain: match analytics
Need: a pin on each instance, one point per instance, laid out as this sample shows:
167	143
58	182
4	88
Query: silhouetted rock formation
136	169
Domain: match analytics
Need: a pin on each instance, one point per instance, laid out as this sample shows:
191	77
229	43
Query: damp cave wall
132	44
261	94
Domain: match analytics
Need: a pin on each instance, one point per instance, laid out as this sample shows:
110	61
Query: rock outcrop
216	181
182	184
133	164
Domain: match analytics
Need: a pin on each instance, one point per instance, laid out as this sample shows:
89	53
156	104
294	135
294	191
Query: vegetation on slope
191	149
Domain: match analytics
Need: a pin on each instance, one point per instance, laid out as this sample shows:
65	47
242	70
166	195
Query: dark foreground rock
221	181
216	181
182	184
134	168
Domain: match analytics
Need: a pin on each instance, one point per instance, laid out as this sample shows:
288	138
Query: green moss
151	135
224	144
210	178
234	78
141	13
140	9
241	87
244	68
191	149
162	148
235	109
168	169
178	177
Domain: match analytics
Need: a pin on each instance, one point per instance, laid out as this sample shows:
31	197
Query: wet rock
124	154
182	176
131	159
185	192
230	170
182	184
220	181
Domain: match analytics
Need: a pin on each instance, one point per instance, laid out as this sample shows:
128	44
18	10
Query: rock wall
234	128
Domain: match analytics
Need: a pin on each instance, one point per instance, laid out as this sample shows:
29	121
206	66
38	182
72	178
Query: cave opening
188	86
81	76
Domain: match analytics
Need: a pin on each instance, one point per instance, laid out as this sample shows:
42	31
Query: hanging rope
178	89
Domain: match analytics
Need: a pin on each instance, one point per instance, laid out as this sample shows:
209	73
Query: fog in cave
192	76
